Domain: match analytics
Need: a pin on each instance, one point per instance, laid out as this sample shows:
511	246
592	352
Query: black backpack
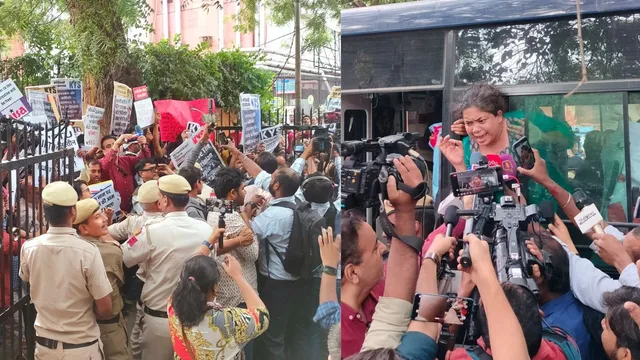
302	256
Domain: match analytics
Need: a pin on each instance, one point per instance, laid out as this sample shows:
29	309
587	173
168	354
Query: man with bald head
278	288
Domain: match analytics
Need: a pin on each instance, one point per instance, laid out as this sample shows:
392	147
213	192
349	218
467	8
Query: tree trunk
104	64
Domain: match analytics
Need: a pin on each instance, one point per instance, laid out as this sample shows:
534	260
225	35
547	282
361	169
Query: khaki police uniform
113	331
162	248
147	193
66	275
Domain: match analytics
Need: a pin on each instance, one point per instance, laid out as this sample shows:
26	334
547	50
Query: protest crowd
390	307
155	251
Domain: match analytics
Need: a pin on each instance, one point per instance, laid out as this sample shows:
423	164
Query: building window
412	58
582	140
549	52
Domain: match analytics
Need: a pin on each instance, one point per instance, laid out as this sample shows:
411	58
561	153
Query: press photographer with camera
589	283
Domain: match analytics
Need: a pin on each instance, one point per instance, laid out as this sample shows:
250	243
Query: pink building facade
196	25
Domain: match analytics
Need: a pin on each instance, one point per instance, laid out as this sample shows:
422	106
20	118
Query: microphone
465	259
589	217
451	218
494	160
477	159
509	167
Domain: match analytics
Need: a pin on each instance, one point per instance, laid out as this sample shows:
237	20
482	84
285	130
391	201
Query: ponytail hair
189	300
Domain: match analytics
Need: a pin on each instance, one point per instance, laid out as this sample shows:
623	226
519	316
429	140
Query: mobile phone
442	309
221	138
298	148
479	181
525	155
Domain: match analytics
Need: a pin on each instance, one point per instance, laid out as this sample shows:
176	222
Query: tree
177	72
91	34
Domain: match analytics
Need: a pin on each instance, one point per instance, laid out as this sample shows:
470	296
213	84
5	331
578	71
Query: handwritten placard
105	194
210	162
143	106
121	110
250	114
92	126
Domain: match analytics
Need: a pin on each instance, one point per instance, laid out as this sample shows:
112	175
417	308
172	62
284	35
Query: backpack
302	256
554	335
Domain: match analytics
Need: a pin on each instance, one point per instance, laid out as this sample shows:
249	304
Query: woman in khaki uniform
91	224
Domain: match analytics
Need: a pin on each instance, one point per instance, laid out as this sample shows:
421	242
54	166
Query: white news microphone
589	219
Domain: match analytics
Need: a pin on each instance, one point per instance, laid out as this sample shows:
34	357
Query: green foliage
177	72
238	74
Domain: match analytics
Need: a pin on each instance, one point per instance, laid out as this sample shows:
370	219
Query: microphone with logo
589	218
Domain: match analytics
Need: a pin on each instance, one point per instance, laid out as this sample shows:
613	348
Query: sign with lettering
144	106
210	162
271	137
44	101
250	114
121	110
105	194
192	128
91	125
69	97
12	103
180	155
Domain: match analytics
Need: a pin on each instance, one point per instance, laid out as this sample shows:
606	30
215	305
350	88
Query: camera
503	223
220	206
321	141
363	181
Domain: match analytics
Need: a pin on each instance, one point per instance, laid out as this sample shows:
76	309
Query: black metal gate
32	156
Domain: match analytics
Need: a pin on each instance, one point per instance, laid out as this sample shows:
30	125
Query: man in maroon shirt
362	279
121	168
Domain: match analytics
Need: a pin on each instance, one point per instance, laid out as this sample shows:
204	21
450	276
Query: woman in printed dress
202	329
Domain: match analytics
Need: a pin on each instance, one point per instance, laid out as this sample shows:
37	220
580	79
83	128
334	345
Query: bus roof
434	14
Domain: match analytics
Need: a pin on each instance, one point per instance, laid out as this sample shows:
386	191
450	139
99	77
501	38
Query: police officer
91	224
162	247
67	277
148	198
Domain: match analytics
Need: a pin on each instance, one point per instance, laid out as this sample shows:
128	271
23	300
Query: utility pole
298	93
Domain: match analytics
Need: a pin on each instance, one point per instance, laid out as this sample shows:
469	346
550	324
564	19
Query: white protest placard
251	124
271	137
12	103
121	110
144	106
44	101
55	140
192	128
182	152
105	194
91	125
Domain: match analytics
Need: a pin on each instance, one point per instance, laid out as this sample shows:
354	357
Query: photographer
621	334
558	304
589	283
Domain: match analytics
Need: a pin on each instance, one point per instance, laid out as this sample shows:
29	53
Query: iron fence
33	156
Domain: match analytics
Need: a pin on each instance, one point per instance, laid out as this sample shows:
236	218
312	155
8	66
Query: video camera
363	181
321	141
504	224
222	207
